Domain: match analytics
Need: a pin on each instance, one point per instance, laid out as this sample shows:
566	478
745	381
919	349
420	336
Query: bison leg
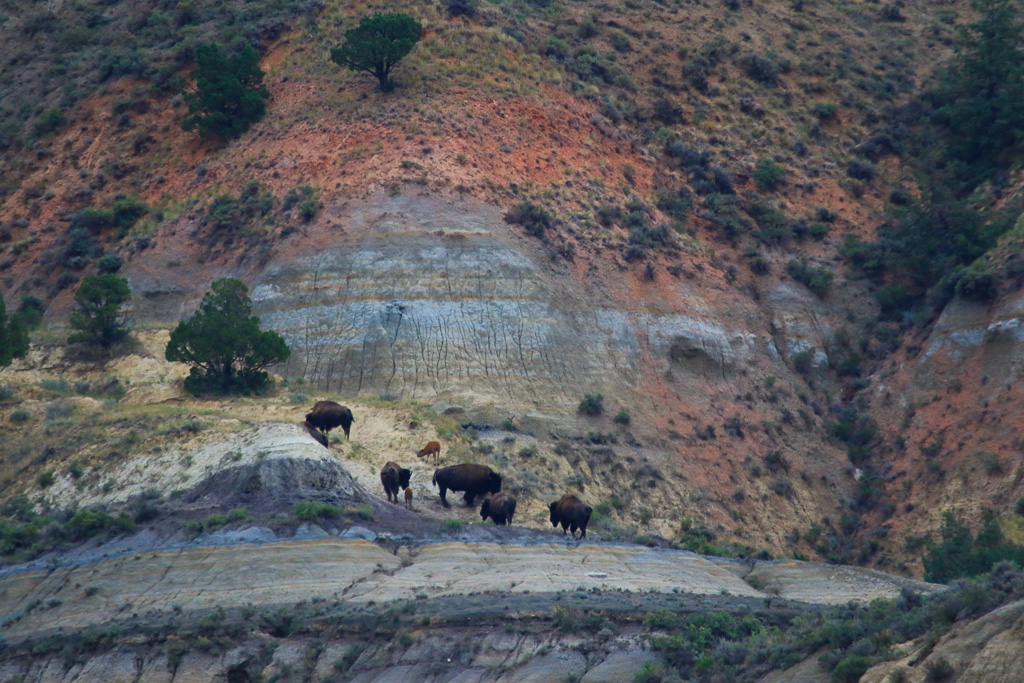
469	498
444	500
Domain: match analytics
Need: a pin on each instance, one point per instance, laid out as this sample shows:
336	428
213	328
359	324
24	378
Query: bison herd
471	479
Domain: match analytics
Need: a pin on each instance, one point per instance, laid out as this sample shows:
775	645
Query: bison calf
500	508
392	477
408	498
432	447
326	415
475	480
571	513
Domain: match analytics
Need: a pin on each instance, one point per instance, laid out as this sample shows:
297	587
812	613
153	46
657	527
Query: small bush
45	479
20	416
825	110
860	170
312	511
622	417
938	670
761	69
818	280
592	404
534	218
768	174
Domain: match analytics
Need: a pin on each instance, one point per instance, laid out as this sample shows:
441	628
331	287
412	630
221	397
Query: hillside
766	234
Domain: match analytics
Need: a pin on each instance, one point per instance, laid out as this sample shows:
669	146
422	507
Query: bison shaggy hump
572	513
326	415
392	477
500	507
475	480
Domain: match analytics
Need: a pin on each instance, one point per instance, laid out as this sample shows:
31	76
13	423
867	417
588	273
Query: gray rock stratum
438	298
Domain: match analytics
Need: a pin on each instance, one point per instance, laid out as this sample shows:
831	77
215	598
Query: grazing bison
500	507
392	477
572	513
475	480
432	447
408	498
315	434
326	415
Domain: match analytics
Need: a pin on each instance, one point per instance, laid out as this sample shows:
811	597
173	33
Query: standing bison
475	480
500	507
392	477
432	447
327	415
572	513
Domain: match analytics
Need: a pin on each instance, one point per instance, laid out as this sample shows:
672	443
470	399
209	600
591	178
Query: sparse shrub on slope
534	218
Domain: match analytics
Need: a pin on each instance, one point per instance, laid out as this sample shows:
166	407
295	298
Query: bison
408	498
321	439
572	513
432	447
475	480
392	477
500	507
326	415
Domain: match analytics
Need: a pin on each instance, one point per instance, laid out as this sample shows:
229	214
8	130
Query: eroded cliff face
948	405
437	298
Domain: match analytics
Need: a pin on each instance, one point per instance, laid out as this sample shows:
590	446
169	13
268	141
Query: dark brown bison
326	415
475	480
392	477
572	513
432	447
500	507
315	434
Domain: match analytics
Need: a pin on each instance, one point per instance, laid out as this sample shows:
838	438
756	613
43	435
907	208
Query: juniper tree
377	44
224	344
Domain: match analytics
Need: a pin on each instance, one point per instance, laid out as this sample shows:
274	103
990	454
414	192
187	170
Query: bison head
493	482
485	509
403	478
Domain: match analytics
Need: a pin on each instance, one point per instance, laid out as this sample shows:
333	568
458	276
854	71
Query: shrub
768	174
592	404
938	670
46	479
825	110
818	280
761	69
850	669
312	511
860	170
50	121
461	8
976	282
534	218
377	45
622	417
229	94
224	344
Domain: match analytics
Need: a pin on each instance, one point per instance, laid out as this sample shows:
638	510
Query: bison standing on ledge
500	507
475	480
326	415
392	477
572	513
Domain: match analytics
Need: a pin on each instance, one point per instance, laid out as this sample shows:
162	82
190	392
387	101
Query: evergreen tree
13	337
224	344
97	315
229	94
983	88
377	44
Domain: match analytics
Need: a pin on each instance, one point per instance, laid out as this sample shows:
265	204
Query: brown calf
431	448
408	498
